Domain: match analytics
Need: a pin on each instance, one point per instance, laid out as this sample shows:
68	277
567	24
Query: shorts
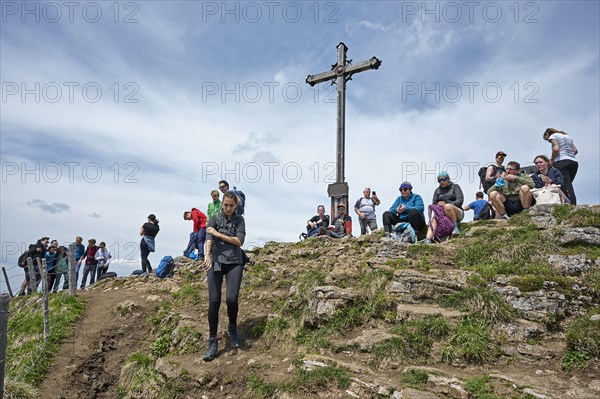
462	215
513	206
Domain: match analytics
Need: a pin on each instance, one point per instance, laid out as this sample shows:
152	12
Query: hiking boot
234	337
322	231
213	348
505	216
427	241
456	231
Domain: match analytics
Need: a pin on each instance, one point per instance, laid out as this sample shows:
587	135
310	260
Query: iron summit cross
342	72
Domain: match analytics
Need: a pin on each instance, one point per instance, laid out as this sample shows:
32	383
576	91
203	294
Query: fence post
4	302
72	274
7	285
44	273
32	281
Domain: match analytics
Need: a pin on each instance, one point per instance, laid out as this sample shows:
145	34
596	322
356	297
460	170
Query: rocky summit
510	309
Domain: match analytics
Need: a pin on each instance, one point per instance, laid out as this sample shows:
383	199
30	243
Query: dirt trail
88	365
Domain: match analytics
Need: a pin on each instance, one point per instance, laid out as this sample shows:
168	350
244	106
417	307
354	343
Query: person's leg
525	196
388	221
200	242
215	282
455	214
372	224
234	282
86	271
431	231
363	226
93	273
569	170
497	199
416	219
513	206
144	252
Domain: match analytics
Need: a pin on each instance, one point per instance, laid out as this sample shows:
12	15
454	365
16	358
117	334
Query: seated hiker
408	207
342	224
481	208
314	224
365	209
512	192
493	171
198	234
449	196
545	174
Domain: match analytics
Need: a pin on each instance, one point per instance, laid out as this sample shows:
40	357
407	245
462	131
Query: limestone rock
579	235
413	287
369	339
419	312
572	265
452	387
324	302
410	393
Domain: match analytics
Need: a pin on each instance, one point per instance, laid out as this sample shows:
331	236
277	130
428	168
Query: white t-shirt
565	147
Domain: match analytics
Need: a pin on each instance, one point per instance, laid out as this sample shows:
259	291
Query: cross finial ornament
341	72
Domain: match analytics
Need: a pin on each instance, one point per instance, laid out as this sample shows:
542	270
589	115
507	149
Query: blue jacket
413	202
554	174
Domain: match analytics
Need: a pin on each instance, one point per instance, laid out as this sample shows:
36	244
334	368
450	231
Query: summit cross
341	72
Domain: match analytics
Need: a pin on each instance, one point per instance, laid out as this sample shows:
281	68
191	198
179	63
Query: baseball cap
500	153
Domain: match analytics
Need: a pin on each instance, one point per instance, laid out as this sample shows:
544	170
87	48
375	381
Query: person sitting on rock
512	192
342	224
481	208
449	195
408	207
314	224
546	175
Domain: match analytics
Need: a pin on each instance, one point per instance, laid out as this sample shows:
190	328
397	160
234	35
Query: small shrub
574	360
320	378
138	376
479	388
481	302
415	378
160	347
469	341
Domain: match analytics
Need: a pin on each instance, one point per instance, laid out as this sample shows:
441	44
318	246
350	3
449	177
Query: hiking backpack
444	224
165	267
405	233
22	261
485	184
486	213
240	194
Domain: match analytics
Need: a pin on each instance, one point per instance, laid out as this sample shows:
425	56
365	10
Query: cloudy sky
114	110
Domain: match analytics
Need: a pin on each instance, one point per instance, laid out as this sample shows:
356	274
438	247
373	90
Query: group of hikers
510	190
95	260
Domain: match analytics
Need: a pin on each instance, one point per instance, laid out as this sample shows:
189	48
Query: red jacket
199	219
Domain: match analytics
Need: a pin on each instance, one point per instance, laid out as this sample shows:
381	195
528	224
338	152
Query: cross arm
373	63
320	77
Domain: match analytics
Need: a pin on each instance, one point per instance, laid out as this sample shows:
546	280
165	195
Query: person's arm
489	173
142	231
460	198
524	179
537	181
394	207
575	151
348	227
555	149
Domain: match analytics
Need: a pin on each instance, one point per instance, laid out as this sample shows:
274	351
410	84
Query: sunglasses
222	187
405	189
442	180
510	169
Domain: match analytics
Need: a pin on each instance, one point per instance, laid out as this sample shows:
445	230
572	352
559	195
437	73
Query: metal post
44	274
7	283
340	71
72	275
4	303
32	281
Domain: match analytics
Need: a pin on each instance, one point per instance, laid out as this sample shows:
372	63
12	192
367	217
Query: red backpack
444	224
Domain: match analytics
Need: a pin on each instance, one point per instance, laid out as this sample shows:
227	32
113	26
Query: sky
113	110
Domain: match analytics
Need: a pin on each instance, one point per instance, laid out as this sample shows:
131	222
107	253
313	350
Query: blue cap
443	173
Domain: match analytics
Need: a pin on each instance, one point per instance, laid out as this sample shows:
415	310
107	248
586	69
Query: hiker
546	175
215	206
512	192
198	234
224	187
35	251
365	209
481	208
225	236
148	231
61	270
314	224
449	196
79	252
90	262
341	225
408	207
50	264
563	158
494	171
103	258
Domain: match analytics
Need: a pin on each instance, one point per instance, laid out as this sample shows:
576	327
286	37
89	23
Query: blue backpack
242	204
165	267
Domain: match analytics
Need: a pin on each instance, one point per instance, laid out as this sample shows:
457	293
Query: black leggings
568	168
145	251
233	275
414	217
